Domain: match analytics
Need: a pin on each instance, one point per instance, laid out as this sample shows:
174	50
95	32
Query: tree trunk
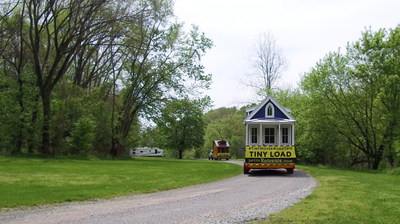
116	147
121	133
378	157
180	153
122	130
46	146
387	141
31	128
376	162
21	122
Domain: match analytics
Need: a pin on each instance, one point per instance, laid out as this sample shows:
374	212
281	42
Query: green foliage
28	182
159	60
181	125
82	118
217	114
82	135
394	171
57	97
346	196
18	99
225	124
150	138
7	111
353	98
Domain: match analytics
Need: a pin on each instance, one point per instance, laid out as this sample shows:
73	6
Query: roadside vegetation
28	181
346	196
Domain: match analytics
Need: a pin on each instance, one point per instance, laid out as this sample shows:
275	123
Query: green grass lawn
346	196
27	181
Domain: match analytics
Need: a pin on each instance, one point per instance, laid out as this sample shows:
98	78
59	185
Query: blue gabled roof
280	113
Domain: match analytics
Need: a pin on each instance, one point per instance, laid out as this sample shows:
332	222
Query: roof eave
269	121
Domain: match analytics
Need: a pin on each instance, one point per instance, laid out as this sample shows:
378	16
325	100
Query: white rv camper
147	152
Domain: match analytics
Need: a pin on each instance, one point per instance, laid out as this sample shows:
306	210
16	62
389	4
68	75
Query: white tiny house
270	140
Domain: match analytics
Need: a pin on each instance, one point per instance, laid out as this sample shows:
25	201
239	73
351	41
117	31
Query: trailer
269	137
220	150
270	157
146	152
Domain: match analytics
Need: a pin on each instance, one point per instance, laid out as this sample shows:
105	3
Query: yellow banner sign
223	155
270	152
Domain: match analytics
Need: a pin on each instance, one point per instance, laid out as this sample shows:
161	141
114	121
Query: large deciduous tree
159	59
360	93
57	32
54	33
181	125
267	63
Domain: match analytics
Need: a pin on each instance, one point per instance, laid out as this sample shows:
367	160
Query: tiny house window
254	136
269	110
269	135
285	135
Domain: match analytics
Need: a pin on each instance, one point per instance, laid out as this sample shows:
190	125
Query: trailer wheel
289	170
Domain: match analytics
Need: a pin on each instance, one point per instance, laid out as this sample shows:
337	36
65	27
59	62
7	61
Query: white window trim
251	135
266	110
275	136
289	135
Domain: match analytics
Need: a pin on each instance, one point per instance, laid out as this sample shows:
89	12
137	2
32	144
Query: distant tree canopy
77	75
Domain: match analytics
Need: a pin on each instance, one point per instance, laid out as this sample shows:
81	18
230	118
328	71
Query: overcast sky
305	31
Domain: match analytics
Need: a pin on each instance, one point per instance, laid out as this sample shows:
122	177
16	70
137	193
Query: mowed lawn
346	196
27	181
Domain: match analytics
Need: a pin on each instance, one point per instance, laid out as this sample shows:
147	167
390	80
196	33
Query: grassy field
346	196
27	181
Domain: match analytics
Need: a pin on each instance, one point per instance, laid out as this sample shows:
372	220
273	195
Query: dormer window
269	110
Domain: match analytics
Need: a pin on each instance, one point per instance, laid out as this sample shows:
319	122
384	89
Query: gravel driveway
237	199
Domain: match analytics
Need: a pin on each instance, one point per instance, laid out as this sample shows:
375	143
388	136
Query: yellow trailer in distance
220	150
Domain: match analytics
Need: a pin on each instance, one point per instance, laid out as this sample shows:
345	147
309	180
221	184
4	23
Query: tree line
77	75
85	77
